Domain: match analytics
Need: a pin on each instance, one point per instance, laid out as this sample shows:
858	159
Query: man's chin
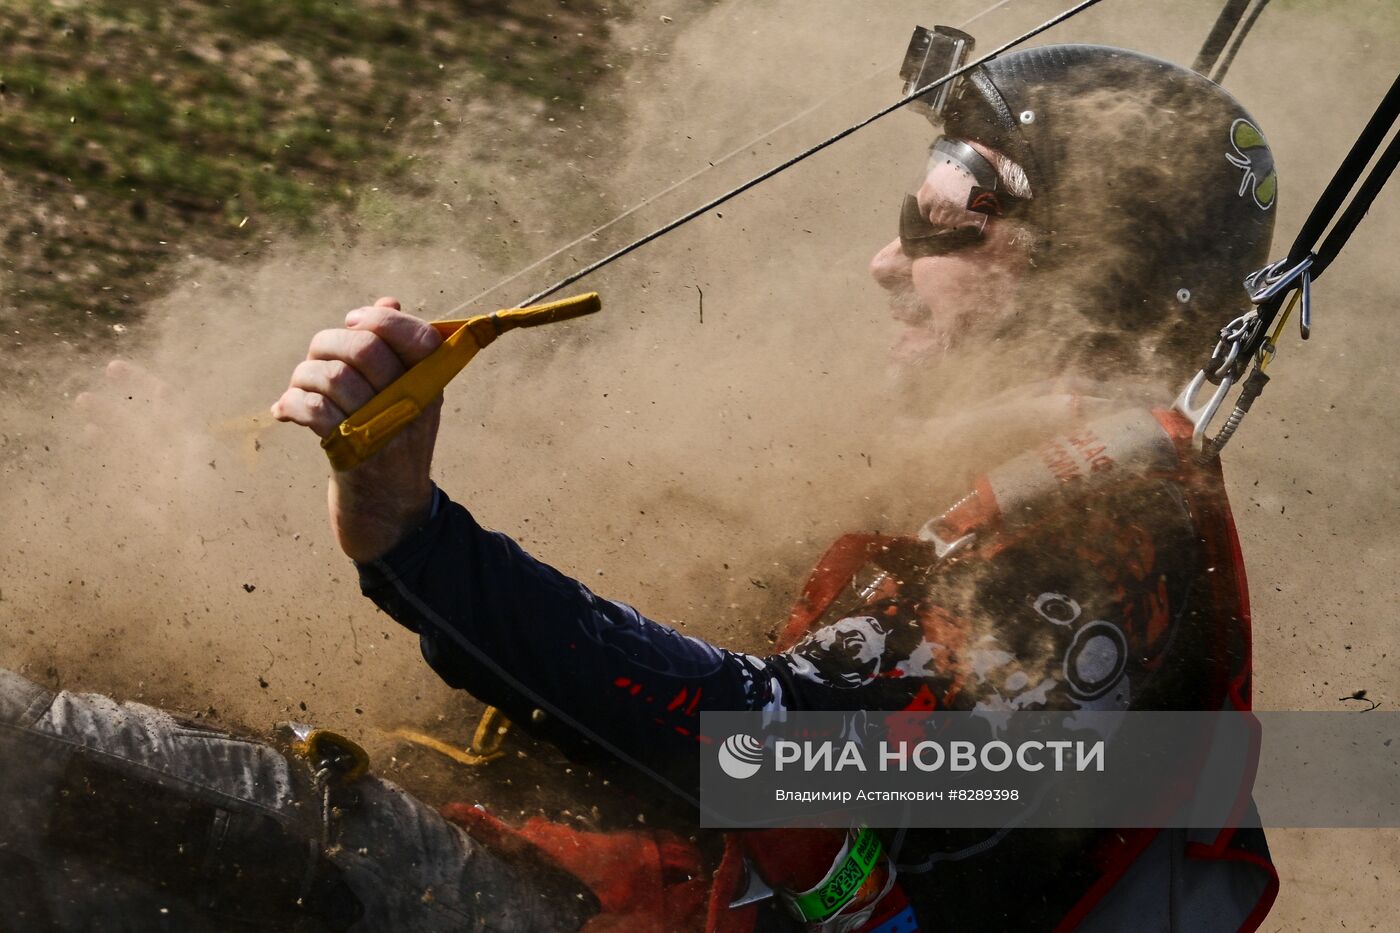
913	371
929	371
916	347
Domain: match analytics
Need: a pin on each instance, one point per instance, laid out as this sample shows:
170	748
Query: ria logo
740	756
1253	157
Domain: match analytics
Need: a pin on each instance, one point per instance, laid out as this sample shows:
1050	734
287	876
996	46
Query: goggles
970	193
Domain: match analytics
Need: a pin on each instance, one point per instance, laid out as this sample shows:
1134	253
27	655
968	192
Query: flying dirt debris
693	453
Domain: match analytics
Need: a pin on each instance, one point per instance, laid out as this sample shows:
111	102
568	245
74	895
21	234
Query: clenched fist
373	505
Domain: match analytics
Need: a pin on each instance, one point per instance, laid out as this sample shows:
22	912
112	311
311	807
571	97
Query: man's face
943	298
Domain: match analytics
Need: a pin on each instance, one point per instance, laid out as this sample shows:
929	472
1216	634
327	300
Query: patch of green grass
126	123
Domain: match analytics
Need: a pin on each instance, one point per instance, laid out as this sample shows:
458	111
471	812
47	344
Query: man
1095	205
1088	213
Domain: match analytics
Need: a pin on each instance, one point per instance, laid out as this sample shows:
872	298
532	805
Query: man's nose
889	267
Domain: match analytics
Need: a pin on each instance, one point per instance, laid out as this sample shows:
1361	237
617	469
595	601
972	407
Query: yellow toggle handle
326	749
365	432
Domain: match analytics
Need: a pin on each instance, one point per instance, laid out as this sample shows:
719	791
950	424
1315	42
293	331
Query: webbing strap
1347	174
1358	207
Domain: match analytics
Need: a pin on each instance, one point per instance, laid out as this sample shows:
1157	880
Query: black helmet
1146	177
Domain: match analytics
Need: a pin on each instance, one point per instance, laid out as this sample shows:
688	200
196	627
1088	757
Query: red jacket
1115	528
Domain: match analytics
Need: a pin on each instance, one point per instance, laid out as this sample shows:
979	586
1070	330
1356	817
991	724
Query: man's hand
374	505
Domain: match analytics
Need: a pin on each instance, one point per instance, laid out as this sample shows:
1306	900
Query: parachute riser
1246	340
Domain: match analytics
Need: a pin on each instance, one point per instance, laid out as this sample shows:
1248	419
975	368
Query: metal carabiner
1233	338
1235	334
1305	311
1200	418
1220	371
1269	281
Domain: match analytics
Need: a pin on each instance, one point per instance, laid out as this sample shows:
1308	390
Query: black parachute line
1219	35
1227	24
1218	76
758	179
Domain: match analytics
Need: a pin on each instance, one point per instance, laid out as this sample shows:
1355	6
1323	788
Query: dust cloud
695	447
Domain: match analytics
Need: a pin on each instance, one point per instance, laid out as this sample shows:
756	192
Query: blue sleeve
522	636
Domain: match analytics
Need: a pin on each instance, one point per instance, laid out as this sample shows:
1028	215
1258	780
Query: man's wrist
369	519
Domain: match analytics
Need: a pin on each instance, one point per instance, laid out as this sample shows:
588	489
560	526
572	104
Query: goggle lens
920	237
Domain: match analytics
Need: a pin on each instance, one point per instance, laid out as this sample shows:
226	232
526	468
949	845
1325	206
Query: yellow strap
490	735
1271	344
486	744
365	433
459	755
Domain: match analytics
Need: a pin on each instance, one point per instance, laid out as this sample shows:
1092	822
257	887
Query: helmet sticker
1253	156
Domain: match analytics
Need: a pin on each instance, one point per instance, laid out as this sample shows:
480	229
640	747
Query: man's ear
995	203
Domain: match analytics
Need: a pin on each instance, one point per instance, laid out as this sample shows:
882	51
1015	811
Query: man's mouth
908	308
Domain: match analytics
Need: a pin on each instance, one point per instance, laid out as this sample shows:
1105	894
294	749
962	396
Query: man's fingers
308	409
337	380
345	367
410	338
371	356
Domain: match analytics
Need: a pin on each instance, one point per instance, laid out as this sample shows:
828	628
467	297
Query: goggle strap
976	164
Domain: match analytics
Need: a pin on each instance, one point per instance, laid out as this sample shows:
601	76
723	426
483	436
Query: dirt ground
163	542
